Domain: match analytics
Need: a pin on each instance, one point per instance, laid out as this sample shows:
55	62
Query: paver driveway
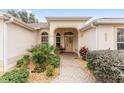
70	71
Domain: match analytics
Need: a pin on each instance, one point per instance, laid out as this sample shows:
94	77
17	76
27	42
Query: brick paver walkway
70	71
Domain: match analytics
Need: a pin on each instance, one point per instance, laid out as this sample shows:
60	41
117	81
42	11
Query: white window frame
119	42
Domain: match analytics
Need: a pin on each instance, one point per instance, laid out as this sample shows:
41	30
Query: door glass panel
58	40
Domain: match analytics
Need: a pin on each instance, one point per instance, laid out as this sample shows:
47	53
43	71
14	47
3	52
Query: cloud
29	11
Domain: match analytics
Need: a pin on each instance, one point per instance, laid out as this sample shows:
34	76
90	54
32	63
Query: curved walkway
70	71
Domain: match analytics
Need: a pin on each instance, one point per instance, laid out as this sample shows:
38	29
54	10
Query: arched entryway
67	39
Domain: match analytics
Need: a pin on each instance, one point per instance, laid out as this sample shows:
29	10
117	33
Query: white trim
4	47
5	30
107	21
115	38
97	46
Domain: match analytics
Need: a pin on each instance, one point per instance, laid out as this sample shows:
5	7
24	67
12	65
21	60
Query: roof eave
67	18
18	22
99	22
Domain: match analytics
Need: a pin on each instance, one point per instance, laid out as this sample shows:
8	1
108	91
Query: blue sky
95	13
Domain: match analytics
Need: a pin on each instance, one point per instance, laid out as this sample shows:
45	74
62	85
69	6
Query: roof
102	21
84	18
40	25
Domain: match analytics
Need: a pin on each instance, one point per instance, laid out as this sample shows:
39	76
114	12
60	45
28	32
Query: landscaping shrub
15	76
42	54
33	48
23	62
54	60
50	71
37	56
107	65
83	52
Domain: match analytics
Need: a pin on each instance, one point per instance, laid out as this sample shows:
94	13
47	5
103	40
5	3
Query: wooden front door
68	43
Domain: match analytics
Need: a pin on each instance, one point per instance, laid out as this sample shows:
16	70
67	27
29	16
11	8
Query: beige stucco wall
111	31
60	24
1	44
1	39
63	24
106	37
88	39
19	39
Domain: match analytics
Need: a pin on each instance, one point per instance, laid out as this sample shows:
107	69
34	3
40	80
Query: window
120	38
44	37
58	40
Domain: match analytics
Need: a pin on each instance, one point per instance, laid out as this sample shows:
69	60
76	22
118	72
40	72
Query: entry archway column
79	42
51	37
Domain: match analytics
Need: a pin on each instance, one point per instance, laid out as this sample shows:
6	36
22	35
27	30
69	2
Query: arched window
44	37
58	40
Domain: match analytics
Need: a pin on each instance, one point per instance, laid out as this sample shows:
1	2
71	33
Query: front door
68	43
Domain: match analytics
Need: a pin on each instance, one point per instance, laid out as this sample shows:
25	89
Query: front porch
66	39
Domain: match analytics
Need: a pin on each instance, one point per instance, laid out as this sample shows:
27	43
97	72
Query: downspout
97	46
5	44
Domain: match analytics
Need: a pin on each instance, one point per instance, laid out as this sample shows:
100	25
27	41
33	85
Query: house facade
69	33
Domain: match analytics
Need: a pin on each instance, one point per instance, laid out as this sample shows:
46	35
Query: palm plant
45	54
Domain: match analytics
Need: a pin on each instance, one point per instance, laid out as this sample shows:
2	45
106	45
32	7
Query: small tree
13	13
24	16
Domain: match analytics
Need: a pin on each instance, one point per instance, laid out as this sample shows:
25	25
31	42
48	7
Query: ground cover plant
15	76
50	71
23	62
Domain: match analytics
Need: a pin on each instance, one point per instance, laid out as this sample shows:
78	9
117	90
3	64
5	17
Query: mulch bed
40	77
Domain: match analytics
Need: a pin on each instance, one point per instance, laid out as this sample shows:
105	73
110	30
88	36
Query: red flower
83	52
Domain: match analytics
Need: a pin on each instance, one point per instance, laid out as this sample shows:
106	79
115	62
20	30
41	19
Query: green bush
34	48
42	54
15	76
23	62
107	65
37	57
50	71
54	60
